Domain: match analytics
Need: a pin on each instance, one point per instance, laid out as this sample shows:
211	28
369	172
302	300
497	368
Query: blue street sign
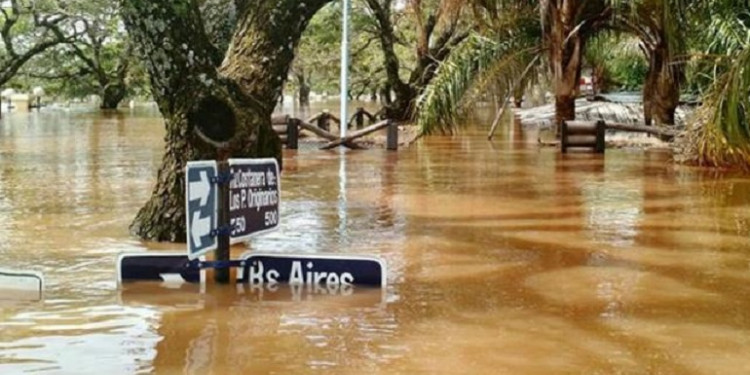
254	192
169	267
313	269
201	203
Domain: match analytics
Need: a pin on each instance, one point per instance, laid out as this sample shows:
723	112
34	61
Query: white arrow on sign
172	278
200	189
199	227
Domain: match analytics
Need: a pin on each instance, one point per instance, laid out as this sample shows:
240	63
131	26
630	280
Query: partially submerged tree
660	25
567	25
29	28
211	105
506	48
438	29
105	52
316	63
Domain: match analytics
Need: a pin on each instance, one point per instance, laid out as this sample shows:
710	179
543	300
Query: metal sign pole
221	274
344	68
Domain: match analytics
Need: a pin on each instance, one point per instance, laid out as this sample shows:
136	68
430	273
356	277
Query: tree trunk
431	48
566	68
661	91
648	98
385	95
304	90
400	108
112	94
206	108
565	62
397	108
518	94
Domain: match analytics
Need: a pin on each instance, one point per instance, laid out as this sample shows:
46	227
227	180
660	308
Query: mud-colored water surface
503	258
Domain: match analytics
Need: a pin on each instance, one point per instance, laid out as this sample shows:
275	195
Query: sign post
221	274
229	202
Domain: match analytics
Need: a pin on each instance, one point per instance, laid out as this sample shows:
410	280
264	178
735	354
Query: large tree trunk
112	94
661	91
205	107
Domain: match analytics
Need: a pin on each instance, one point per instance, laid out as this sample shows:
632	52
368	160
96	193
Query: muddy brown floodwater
503	258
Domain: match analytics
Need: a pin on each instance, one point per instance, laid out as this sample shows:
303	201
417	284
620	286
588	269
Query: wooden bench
583	134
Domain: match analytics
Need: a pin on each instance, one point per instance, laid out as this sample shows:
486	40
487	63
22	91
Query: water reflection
498	253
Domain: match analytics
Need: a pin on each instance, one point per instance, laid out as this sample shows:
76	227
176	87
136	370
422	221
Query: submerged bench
583	134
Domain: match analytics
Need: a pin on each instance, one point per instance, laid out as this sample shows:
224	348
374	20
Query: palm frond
720	134
471	64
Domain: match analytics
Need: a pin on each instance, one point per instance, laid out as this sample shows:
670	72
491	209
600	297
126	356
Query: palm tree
506	46
657	23
514	43
719	135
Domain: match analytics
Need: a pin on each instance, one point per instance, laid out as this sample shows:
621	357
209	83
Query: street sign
254	192
201	203
165	267
21	285
313	269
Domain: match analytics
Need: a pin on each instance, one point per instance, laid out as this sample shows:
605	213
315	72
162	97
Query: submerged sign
165	267
254	191
309	269
21	285
201	200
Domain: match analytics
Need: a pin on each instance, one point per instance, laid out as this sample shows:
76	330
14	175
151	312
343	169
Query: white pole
344	67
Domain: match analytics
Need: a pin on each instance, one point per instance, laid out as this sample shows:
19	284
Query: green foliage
617	61
478	59
720	134
99	57
506	53
317	59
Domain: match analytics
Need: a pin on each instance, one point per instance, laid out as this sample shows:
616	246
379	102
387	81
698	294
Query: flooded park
374	186
502	257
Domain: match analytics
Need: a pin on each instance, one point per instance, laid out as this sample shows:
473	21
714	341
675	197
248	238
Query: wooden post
324	121
564	137
221	274
392	136
600	130
360	118
292	133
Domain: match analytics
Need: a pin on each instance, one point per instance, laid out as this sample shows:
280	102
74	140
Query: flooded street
503	258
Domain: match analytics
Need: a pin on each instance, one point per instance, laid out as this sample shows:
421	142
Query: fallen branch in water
664	134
